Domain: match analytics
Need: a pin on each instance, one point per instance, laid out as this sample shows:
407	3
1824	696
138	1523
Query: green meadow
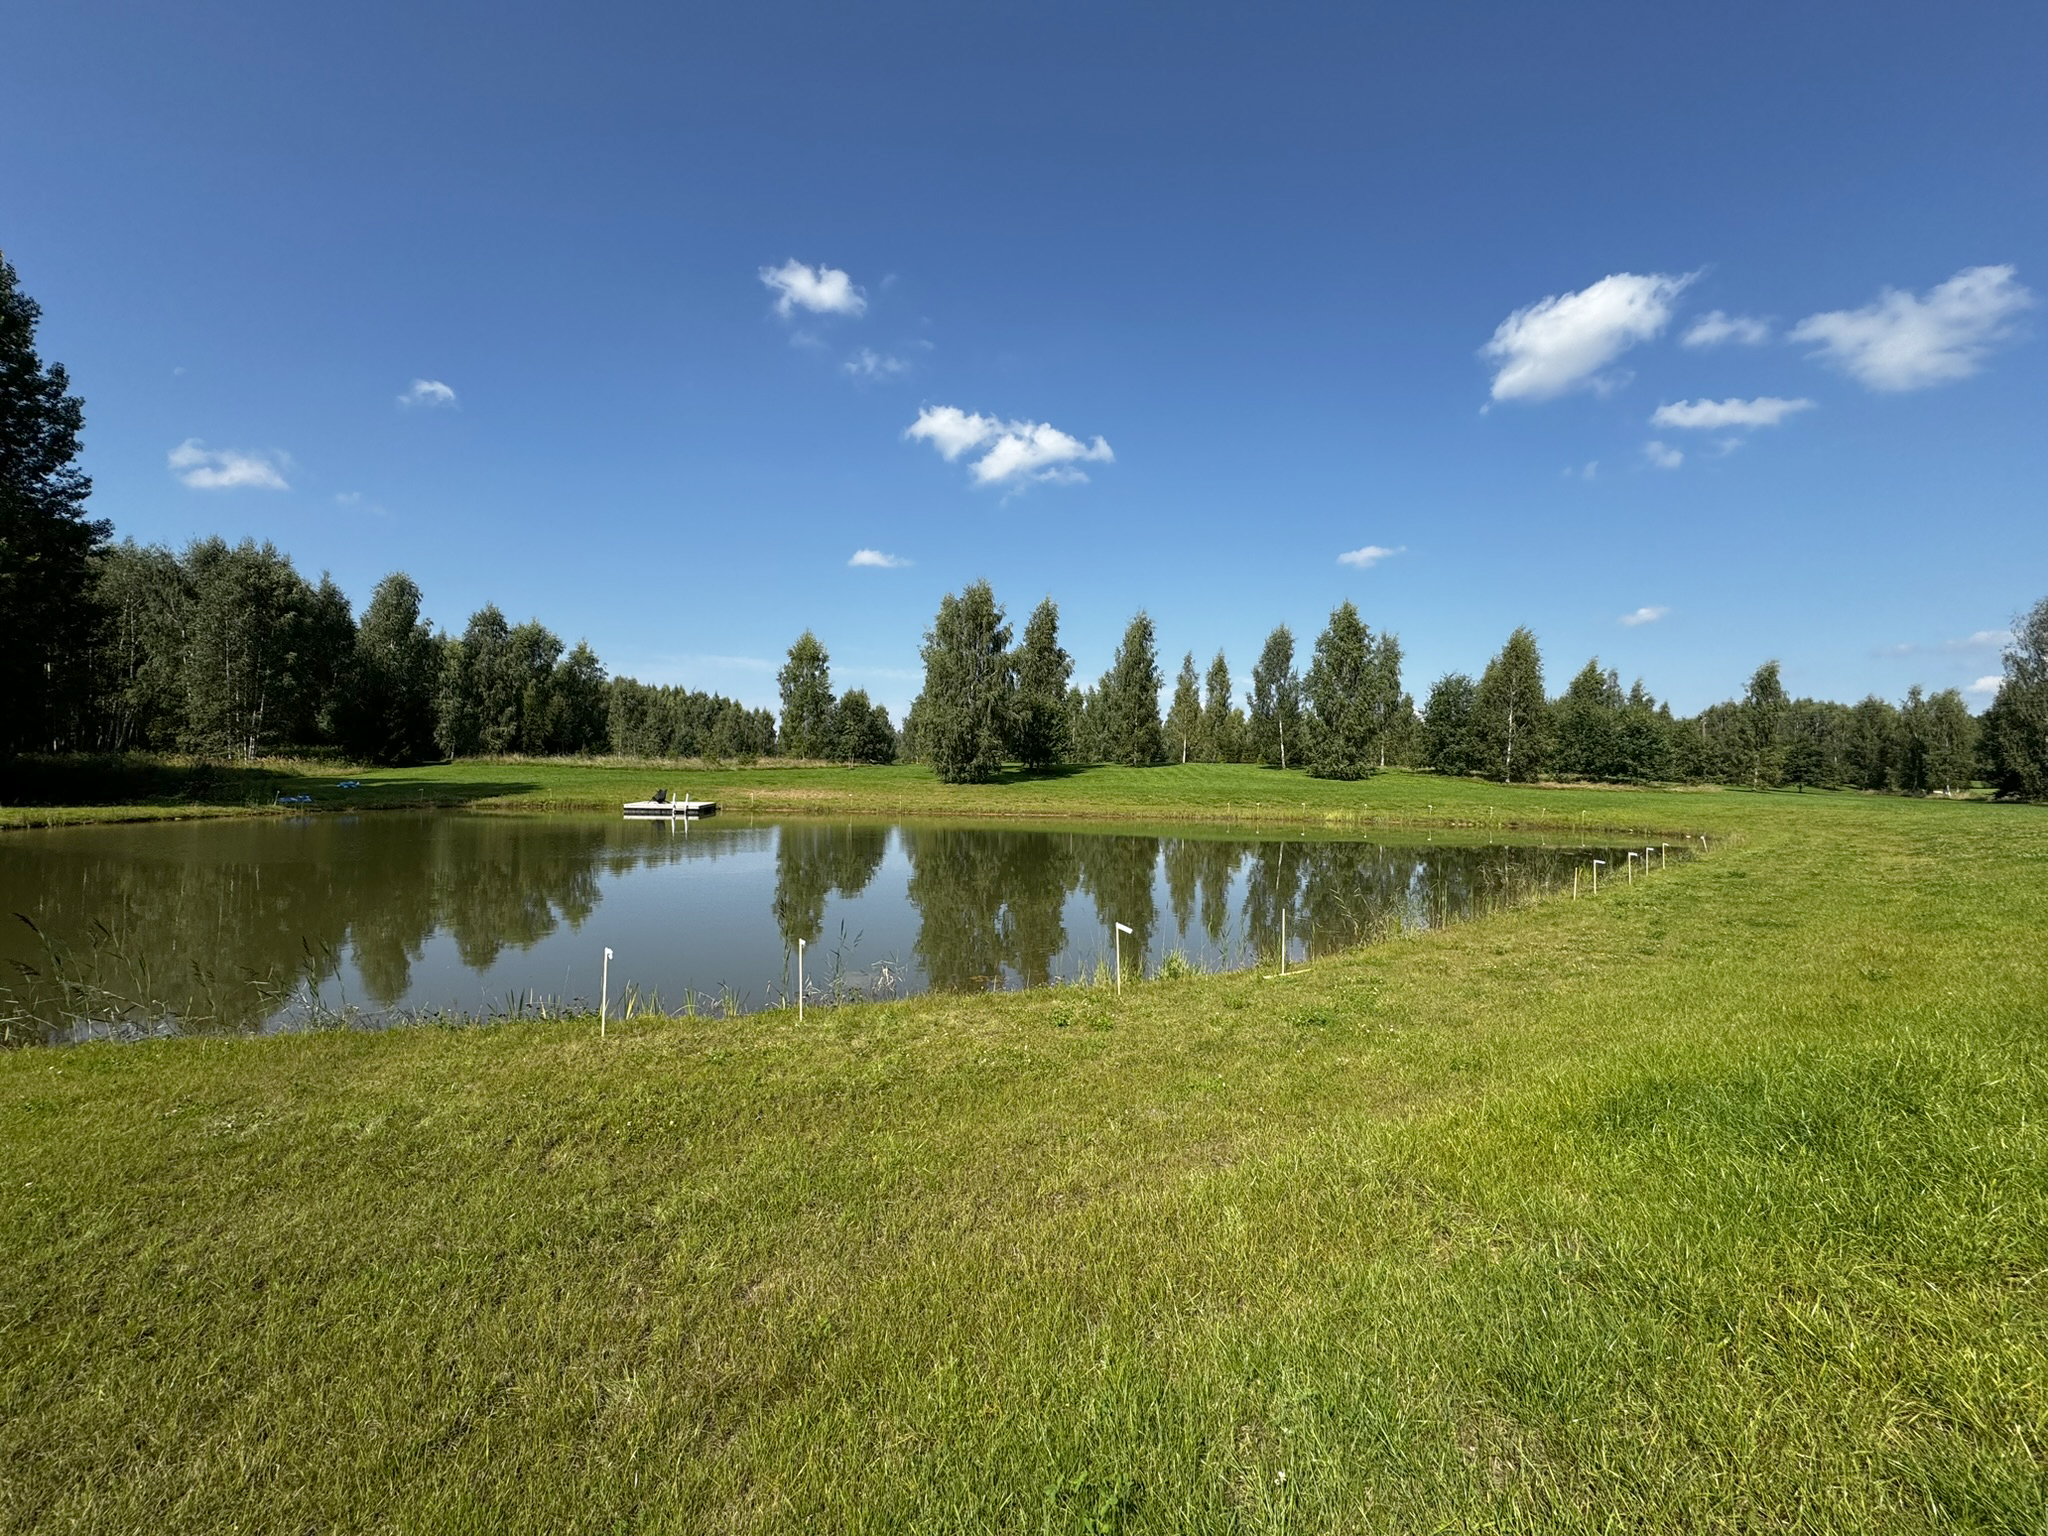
1718	1202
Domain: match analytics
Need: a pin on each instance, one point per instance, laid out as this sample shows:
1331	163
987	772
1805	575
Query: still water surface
274	924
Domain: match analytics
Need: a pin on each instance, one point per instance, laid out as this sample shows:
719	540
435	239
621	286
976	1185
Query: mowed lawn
1717	1203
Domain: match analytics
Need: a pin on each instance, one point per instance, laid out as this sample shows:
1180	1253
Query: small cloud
821	289
1714	415
1986	686
1590	470
178	372
1663	455
1562	342
1717	328
869	364
874	559
1368	557
227	469
1903	341
1982	640
1013	451
348	498
431	393
1643	616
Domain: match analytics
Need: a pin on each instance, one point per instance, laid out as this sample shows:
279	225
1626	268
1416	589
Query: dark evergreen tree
1273	712
861	732
1184	715
1222	736
965	714
1043	728
1586	725
48	622
1393	711
1449	744
806	683
1343	736
1509	711
1128	697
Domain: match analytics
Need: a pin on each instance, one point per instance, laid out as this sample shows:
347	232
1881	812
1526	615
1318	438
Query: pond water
270	924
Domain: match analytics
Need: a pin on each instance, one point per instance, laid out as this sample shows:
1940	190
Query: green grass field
1718	1203
147	789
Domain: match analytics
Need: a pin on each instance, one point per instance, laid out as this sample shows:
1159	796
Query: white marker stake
1121	930
1283	941
1596	875
799	981
604	992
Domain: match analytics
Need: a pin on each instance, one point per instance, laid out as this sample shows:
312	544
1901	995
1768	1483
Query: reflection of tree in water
989	900
1118	874
811	862
222	922
1199	870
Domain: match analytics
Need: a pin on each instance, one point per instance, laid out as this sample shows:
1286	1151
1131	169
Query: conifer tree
965	714
1274	701
1222	724
1184	716
1339	688
1043	729
1449	743
48	623
1509	710
1128	698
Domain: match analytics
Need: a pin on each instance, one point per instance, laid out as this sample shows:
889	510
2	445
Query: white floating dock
670	810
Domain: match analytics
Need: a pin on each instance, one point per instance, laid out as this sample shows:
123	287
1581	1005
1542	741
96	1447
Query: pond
266	924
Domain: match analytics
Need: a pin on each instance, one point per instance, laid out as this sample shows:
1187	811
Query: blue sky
645	320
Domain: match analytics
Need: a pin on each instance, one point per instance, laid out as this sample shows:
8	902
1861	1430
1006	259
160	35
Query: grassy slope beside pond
1719	1203
147	789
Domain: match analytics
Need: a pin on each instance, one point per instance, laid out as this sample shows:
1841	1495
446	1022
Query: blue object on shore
350	784
294	799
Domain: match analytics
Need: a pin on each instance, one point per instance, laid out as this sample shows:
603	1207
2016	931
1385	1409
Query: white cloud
428	392
1562	342
1982	640
821	289
1643	616
227	469
1712	415
877	560
1987	685
1014	451
1904	342
1365	559
1716	327
869	364
1663	455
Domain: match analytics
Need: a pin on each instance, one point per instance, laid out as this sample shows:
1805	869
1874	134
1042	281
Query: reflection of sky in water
401	913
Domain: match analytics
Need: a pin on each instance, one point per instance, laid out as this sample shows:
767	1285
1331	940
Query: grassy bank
1191	792
1719	1203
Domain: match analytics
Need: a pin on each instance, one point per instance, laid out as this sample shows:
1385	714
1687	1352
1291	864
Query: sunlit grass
1717	1203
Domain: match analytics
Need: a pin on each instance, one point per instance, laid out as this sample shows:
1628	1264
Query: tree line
226	650
986	701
